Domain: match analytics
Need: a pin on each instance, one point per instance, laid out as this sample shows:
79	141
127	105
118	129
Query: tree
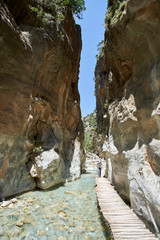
77	6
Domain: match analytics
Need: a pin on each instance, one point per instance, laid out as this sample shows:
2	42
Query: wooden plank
123	222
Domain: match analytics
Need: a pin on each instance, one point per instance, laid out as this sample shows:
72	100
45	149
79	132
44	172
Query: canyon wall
128	105
41	132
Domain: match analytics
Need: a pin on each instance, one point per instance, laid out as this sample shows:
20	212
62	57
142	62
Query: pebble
14	200
71	192
29	200
21	204
41	233
11	206
19	224
62	213
5	203
60	238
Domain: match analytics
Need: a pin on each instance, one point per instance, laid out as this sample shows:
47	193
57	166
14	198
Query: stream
67	212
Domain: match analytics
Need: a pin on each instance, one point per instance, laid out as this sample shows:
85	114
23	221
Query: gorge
41	127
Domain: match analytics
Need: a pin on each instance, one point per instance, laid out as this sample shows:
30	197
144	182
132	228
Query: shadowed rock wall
41	132
128	106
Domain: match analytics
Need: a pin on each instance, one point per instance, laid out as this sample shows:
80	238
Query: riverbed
67	212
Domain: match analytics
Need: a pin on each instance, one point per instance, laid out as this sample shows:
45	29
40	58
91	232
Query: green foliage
115	11
37	149
100	48
90	128
88	143
77	6
38	12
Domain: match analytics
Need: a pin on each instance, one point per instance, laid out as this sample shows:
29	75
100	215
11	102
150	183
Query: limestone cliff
128	105
41	131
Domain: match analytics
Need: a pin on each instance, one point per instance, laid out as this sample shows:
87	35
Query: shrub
115	11
77	6
100	48
37	149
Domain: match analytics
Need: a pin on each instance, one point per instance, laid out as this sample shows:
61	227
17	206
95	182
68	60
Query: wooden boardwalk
123	222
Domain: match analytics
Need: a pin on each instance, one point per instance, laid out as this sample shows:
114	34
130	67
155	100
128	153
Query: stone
29	200
14	200
5	203
71	192
11	206
19	224
62	213
45	165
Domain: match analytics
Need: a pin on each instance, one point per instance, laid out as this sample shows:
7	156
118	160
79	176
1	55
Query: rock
62	213
41	233
72	193
5	203
60	238
91	229
29	200
39	87
19	224
127	92
11	206
14	200
21	204
45	164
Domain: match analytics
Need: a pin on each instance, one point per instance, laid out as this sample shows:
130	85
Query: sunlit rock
127	91
40	103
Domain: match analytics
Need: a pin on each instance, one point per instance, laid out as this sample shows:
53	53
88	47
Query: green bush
46	10
100	48
37	149
115	11
77	6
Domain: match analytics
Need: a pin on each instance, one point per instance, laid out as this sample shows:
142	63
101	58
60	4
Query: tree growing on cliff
77	6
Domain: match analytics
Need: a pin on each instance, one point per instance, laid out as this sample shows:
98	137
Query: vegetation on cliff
100	49
92	137
77	6
115	11
90	126
46	9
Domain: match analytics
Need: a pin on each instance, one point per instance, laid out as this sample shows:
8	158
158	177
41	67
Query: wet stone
14	200
19	224
5	203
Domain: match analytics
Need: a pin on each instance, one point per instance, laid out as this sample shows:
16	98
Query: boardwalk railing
123	222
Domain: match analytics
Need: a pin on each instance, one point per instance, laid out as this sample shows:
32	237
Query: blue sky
92	26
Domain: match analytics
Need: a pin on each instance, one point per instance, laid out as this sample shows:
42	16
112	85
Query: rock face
128	106
41	132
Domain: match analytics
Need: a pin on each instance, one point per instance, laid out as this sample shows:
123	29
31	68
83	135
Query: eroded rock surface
128	99
41	131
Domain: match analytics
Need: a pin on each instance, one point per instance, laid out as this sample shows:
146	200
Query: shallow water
68	212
